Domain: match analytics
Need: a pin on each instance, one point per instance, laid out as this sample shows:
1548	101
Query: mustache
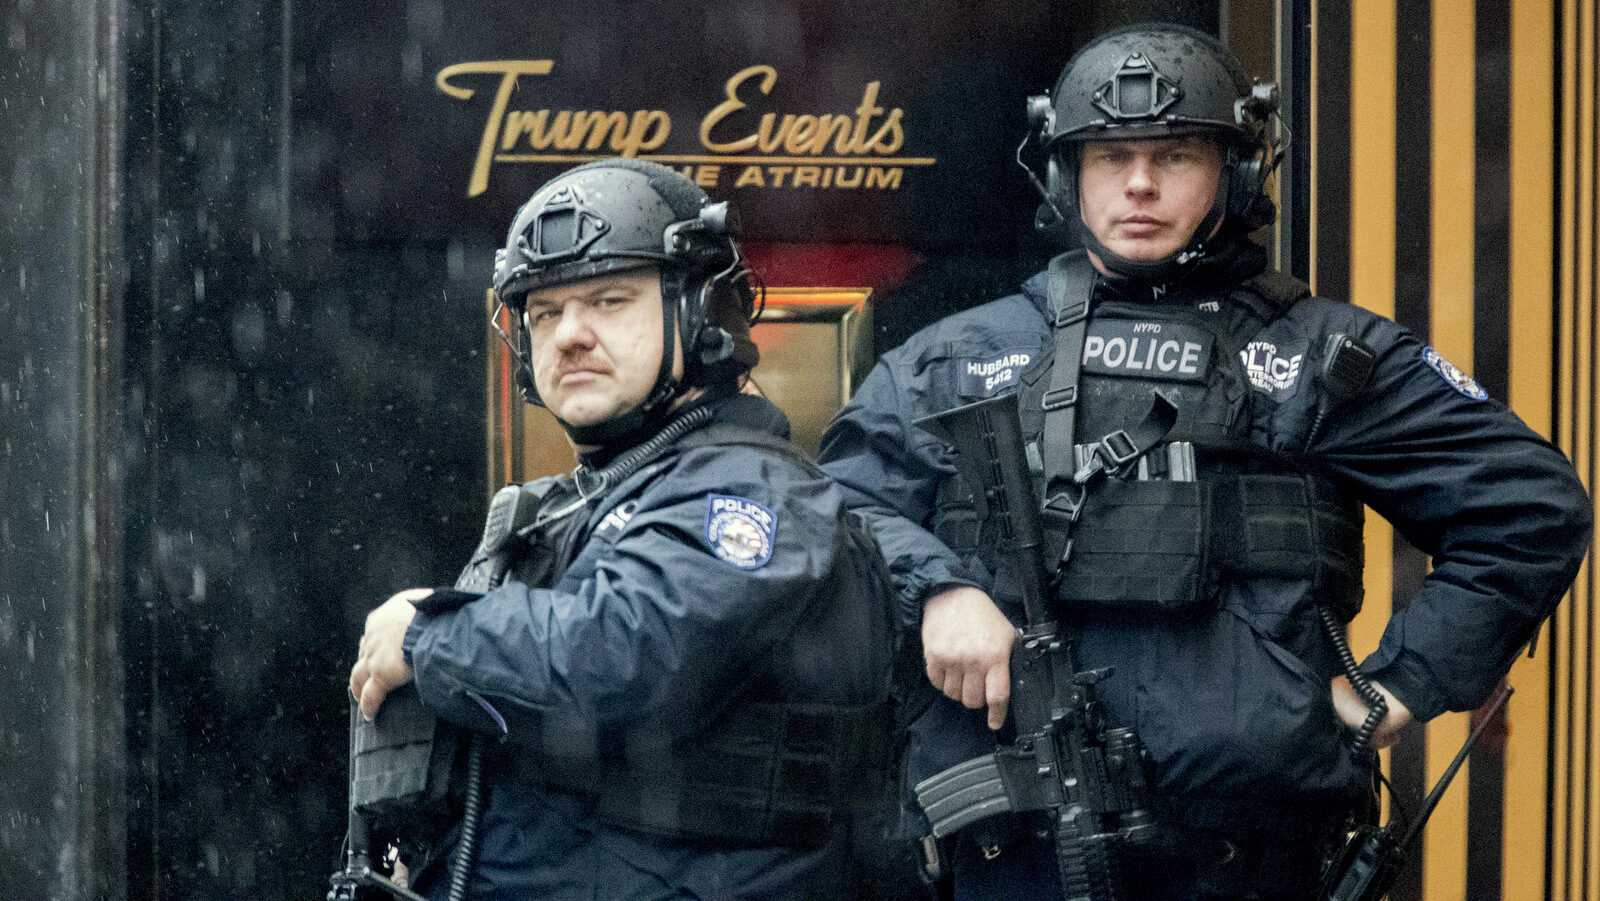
580	362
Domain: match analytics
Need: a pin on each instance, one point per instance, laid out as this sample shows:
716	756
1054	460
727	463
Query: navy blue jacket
1234	705
713	576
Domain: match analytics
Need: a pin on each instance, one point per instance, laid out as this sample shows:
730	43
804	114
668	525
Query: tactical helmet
1160	80
617	214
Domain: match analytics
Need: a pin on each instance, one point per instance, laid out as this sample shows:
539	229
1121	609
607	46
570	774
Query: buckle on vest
1060	397
1113	454
1072	312
1062	509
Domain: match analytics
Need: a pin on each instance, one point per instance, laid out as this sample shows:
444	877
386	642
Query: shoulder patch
1272	369
739	530
1454	377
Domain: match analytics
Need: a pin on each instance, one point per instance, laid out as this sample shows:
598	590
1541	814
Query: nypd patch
739	530
1456	378
1273	369
1151	350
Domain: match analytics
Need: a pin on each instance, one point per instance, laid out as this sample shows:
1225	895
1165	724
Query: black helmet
618	214
1159	80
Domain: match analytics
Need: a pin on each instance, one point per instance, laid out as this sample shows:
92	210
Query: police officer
1203	434
686	670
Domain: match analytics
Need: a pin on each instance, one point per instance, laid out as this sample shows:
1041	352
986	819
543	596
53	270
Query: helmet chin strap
654	411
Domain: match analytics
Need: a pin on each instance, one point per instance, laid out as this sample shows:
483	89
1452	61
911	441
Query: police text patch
739	530
1456	378
985	377
1273	369
1152	350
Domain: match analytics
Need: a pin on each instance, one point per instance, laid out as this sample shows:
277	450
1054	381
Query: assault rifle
1065	760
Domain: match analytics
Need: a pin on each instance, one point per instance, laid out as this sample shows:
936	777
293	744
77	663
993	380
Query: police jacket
685	706
1229	689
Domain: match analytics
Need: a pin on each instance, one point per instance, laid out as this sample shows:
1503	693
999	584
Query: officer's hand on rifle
381	666
1352	712
966	643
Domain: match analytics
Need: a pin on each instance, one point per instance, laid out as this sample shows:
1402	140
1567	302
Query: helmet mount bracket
1138	90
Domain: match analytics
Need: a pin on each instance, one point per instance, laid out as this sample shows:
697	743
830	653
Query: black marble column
304	391
61	713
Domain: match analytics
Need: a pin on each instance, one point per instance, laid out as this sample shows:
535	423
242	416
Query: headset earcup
1240	183
1060	197
1247	200
1053	181
716	345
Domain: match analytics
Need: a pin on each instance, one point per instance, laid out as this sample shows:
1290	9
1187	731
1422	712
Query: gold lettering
630	134
801	128
840	180
556	134
878	177
839	128
803	134
769	77
869	107
888	138
508	70
765	141
641	137
602	124
518	122
571	127
646	130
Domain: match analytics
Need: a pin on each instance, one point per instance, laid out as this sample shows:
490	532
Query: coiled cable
1377	707
472	806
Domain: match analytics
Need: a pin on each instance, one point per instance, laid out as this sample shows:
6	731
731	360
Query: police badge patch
1456	378
739	530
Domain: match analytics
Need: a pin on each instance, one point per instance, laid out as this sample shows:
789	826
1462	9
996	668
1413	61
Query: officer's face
1144	199
597	344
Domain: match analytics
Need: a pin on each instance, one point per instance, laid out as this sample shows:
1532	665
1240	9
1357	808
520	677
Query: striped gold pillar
1454	189
1573	857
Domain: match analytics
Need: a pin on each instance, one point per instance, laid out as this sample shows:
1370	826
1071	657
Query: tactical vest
1159	524
761	773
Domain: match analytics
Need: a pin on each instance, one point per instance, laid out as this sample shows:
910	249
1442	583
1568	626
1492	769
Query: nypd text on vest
1148	349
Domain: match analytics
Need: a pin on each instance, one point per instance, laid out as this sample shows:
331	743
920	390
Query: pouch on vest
1292	526
1141	546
